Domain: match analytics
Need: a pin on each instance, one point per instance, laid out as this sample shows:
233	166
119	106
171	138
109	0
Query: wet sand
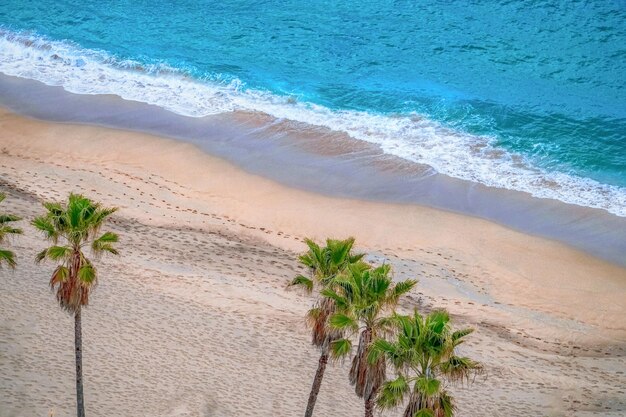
194	319
326	162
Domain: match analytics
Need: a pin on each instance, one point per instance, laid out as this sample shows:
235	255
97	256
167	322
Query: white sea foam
411	137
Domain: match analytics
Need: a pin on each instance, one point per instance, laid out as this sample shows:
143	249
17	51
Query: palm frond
342	321
87	273
339	249
339	300
445	405
438	321
389	324
427	386
356	258
314	314
403	287
340	348
457	336
59	276
6	231
378	349
57	253
392	393
313	247
105	243
7	257
107	237
8	218
45	225
41	256
302	281
459	369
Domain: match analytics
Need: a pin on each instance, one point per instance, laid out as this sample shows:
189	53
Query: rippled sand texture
194	320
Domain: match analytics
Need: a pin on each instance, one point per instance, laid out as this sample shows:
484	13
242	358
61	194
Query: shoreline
190	317
331	165
262	202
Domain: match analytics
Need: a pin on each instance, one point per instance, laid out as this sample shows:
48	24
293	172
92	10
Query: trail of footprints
222	340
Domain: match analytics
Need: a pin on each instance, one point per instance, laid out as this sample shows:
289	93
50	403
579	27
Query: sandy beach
194	318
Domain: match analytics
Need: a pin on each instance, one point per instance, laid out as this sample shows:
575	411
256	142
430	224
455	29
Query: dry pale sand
193	319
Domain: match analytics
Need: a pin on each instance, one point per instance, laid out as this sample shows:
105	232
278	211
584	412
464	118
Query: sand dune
194	319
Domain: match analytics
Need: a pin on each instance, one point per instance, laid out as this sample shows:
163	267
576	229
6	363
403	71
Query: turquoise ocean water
527	95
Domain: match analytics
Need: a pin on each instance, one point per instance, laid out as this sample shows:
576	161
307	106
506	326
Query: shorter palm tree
72	228
425	360
6	230
324	264
362	296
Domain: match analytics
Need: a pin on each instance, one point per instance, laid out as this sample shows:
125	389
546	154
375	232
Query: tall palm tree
72	228
324	264
6	230
425	360
362	296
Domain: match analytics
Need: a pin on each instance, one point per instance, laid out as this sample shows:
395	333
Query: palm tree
362	296
7	256
425	360
72	228
324	264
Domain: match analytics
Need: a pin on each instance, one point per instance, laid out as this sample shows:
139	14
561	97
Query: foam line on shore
292	159
411	137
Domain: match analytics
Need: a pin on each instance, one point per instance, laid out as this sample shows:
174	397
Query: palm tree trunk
78	344
317	382
369	406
